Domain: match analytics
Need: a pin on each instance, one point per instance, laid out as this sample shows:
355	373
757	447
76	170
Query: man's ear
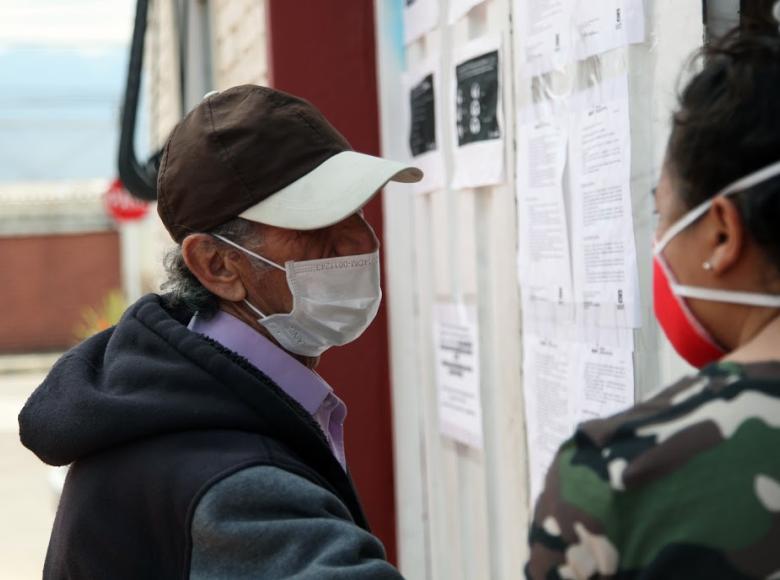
214	265
728	235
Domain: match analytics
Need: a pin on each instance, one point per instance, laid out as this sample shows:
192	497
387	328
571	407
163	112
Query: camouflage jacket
684	485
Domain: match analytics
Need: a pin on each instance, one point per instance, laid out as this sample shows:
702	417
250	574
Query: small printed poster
457	373
422	101
545	35
424	137
544	254
564	384
604	262
479	143
606	25
553	33
477	99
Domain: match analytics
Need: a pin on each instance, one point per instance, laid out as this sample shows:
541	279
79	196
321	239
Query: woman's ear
214	265
728	235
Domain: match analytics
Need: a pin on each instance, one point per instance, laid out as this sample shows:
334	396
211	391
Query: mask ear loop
255	309
740	185
679	226
749	181
250	253
259	257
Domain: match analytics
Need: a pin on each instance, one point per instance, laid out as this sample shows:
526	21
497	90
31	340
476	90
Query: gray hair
183	287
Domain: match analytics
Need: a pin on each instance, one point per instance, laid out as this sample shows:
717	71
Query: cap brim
334	190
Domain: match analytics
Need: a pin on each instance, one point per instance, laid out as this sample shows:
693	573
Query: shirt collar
295	379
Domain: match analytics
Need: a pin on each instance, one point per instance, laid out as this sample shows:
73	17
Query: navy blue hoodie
153	418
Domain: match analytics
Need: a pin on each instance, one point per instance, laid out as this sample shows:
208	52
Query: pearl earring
707	266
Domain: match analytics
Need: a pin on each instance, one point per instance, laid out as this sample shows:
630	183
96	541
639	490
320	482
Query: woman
687	484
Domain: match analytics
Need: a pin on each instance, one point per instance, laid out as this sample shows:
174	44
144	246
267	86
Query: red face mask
688	336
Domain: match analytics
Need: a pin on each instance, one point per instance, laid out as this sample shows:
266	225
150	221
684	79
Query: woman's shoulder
712	403
689	475
698	414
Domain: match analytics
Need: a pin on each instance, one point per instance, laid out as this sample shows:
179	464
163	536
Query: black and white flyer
422	98
456	348
477	106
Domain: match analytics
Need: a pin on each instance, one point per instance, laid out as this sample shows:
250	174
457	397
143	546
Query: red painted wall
324	51
48	281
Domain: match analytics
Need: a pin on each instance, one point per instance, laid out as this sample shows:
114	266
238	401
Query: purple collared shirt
299	382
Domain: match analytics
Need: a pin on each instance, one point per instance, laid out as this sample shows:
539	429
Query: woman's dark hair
184	290
728	125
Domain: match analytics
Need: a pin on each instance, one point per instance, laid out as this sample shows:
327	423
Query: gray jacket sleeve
265	522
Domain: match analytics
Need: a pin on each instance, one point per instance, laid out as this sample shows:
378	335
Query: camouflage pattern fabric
684	485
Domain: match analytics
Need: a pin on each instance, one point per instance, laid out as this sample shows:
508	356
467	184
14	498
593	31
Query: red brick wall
46	281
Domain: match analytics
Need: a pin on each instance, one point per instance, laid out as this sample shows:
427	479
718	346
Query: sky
62	75
66	23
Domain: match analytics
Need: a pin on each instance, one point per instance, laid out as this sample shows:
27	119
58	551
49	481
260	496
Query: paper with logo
606	381
420	17
546	34
456	344
606	279
607	24
476	103
422	88
544	260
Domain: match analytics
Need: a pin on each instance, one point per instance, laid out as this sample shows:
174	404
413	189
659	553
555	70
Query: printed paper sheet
476	103
423	115
547	34
606	280
607	24
544	261
606	381
566	383
457	373
549	388
557	32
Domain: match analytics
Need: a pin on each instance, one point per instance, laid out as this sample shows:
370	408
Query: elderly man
202	442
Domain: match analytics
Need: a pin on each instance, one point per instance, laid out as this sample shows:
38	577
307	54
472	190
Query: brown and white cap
266	156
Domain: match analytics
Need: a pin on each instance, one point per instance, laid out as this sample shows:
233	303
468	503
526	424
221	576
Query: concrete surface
27	499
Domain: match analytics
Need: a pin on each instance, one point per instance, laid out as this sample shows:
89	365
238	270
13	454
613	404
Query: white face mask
334	301
717	295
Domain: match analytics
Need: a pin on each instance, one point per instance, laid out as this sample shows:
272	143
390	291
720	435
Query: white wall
463	513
